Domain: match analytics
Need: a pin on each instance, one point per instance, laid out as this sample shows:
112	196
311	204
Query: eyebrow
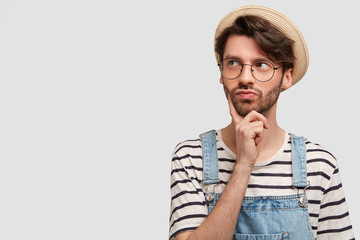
252	60
232	57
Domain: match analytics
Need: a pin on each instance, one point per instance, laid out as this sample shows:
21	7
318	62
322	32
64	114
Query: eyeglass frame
242	67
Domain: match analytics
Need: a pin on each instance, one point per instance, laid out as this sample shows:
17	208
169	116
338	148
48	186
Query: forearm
221	222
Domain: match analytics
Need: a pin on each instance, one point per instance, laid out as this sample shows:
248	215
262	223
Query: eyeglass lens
261	70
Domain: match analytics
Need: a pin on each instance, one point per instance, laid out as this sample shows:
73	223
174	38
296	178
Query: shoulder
187	153
321	163
317	153
187	146
319	158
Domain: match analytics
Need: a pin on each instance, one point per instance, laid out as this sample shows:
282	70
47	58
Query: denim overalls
268	217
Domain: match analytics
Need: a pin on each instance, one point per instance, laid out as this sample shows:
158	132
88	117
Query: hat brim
283	23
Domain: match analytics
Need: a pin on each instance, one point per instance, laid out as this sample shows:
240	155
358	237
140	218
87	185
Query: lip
246	94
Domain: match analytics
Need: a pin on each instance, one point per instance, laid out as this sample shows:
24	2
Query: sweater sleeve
334	220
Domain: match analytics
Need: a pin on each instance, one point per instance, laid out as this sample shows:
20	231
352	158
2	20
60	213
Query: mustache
247	87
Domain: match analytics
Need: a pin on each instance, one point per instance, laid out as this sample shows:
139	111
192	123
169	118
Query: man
252	179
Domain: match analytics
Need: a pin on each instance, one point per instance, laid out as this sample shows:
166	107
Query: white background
94	96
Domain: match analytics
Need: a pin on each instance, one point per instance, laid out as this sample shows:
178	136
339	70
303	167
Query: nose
246	76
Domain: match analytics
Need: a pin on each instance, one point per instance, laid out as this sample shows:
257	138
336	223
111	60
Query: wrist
243	169
244	165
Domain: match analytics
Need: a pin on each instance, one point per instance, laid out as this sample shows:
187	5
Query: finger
234	114
255	116
257	140
258	136
254	129
231	106
258	131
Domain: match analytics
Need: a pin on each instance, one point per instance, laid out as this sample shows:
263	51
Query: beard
262	104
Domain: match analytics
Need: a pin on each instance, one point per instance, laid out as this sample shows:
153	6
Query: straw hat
283	23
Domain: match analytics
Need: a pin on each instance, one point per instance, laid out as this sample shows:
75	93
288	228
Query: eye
262	66
232	63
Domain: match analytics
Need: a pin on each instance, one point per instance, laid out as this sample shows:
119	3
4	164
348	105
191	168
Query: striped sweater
328	212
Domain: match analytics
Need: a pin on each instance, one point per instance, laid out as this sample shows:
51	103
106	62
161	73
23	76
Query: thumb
233	112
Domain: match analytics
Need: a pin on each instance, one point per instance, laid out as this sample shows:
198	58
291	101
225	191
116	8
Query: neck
271	142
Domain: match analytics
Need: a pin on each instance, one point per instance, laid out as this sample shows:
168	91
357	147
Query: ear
221	80
287	79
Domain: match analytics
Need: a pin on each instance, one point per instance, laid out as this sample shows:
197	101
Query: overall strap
210	158
299	162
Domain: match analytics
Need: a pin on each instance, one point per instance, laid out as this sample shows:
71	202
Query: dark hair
270	39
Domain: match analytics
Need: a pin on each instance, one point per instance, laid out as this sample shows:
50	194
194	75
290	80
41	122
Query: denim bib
267	217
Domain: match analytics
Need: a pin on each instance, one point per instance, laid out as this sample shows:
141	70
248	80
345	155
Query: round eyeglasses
261	70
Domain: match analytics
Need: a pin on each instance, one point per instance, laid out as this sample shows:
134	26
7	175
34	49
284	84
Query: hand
248	134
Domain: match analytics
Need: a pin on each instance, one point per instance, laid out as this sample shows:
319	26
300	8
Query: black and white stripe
328	212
